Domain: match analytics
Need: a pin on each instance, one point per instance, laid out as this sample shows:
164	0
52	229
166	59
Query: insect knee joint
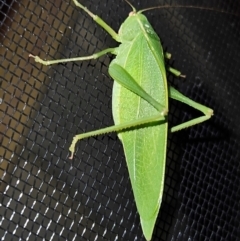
164	112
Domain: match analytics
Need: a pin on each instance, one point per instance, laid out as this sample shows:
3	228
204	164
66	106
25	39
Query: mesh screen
44	195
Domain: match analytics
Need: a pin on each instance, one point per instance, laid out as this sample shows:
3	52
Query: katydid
140	108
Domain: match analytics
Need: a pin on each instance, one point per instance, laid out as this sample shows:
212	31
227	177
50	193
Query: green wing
145	148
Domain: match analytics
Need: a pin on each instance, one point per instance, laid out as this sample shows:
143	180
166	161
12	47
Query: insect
140	108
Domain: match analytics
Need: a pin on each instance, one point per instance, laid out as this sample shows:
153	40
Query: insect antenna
133	8
188	6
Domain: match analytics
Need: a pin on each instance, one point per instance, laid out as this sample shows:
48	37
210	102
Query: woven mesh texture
44	195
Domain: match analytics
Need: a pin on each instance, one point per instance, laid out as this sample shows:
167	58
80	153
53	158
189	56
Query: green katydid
140	107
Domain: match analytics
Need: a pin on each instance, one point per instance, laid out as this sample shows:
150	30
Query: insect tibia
57	61
208	112
142	122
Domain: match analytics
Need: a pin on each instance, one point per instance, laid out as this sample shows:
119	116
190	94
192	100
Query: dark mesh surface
44	195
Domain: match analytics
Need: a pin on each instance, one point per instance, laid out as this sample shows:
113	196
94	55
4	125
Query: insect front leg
117	128
57	61
98	20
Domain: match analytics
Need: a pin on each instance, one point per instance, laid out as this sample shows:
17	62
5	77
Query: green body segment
144	148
